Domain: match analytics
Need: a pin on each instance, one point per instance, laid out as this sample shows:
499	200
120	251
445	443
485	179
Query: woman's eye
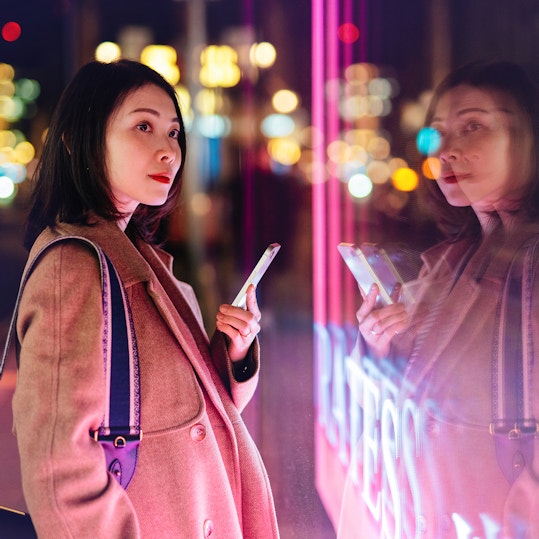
175	133
143	126
473	126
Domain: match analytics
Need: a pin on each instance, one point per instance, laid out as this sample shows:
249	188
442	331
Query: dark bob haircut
71	181
511	80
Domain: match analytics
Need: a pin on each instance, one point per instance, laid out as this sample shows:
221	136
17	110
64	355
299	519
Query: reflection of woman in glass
452	451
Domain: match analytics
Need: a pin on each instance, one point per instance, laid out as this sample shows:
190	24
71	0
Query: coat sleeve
59	399
241	385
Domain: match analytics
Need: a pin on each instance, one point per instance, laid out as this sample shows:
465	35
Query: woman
111	172
456	377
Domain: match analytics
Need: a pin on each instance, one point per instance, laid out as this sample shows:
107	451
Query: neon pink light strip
334	206
319	186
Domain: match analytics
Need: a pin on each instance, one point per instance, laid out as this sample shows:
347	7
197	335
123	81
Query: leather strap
120	432
513	426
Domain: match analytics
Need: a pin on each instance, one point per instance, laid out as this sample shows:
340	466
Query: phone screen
265	260
362	265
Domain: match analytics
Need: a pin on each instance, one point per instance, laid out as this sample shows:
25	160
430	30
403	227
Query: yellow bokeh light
219	67
7	88
7	73
206	101
184	98
285	101
163	59
24	152
107	52
404	179
7	155
262	55
431	168
284	151
7	138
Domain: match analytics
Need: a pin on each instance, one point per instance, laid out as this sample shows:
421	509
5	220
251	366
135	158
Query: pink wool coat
199	473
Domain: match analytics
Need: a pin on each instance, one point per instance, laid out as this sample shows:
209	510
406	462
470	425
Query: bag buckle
514	430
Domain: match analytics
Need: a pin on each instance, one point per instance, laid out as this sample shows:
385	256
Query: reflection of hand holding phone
370	264
257	273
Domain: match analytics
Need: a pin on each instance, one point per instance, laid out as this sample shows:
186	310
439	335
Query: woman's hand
240	325
378	325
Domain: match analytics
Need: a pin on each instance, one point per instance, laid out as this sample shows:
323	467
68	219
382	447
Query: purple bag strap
120	432
513	427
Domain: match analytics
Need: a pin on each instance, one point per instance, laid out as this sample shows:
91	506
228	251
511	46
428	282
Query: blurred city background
304	123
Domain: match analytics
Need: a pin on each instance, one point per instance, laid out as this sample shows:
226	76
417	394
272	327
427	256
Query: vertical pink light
334	206
350	294
319	186
363	57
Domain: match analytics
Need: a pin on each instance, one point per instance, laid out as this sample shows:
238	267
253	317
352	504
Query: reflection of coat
198	471
445	480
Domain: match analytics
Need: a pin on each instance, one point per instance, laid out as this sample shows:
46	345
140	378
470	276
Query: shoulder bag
120	432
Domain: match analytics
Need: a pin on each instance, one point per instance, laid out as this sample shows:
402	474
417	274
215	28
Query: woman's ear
65	143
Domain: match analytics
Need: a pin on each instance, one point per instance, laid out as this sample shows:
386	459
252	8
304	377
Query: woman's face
485	150
142	154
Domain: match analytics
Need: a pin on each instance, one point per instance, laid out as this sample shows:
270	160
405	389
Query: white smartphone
265	260
370	264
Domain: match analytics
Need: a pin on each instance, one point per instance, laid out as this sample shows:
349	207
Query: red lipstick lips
160	178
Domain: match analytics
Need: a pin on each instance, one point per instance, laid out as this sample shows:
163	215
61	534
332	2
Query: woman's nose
448	150
170	151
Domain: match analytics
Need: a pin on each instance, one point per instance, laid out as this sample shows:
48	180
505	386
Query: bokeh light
360	186
107	52
405	179
285	101
431	168
277	125
262	55
219	67
428	140
163	59
7	189
213	126
348	32
284	151
11	31
24	152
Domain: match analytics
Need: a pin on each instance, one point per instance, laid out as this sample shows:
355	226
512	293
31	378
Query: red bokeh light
11	31
348	32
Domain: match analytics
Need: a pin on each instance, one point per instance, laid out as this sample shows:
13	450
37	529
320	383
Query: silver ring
374	332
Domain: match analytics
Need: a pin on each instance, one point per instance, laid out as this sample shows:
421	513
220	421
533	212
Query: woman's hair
71	180
511	80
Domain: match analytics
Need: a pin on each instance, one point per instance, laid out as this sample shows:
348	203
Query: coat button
207	528
198	432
